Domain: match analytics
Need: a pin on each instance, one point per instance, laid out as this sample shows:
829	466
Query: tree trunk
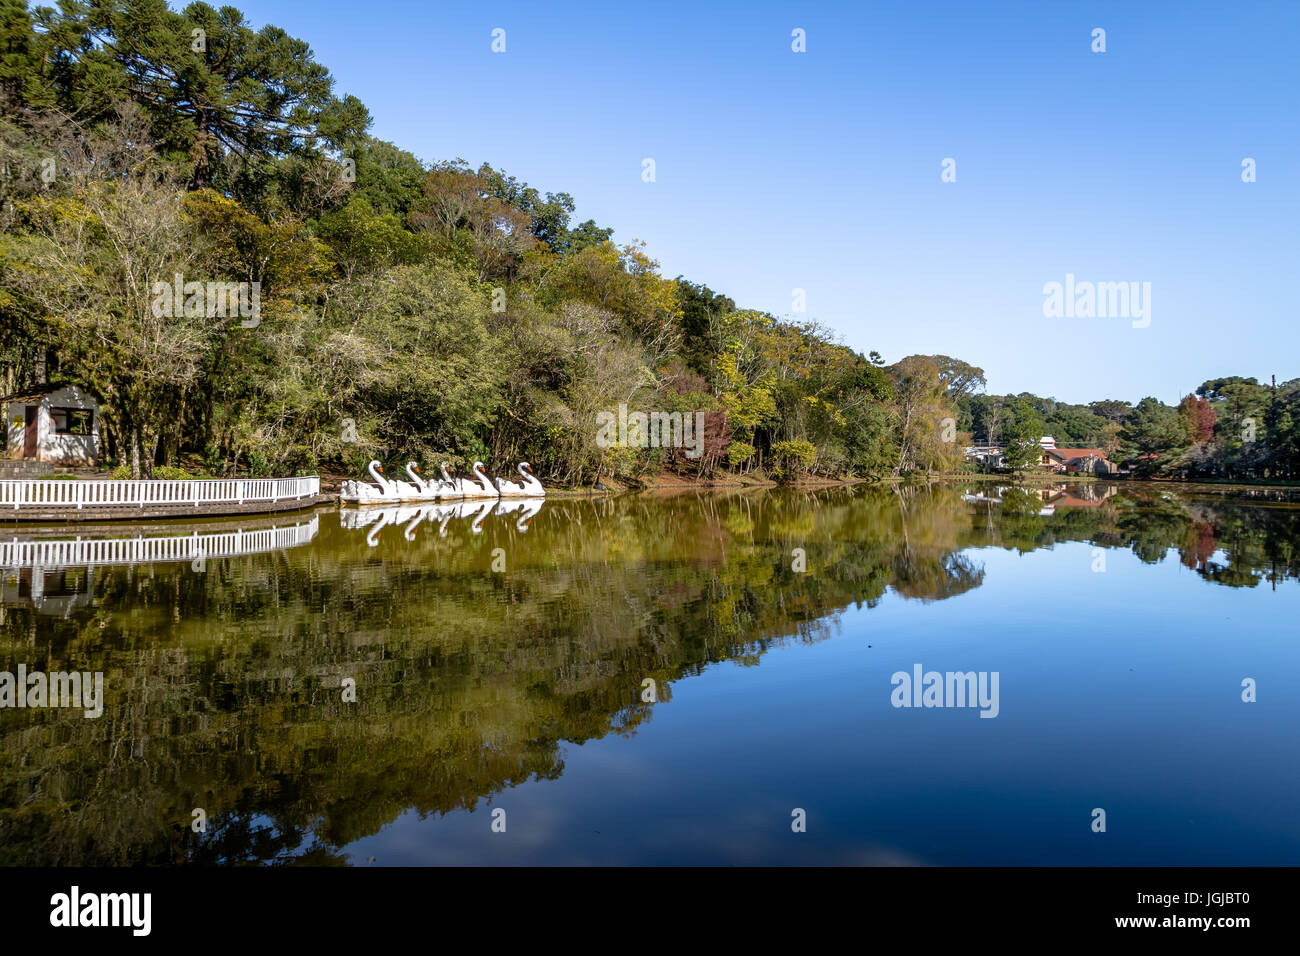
135	453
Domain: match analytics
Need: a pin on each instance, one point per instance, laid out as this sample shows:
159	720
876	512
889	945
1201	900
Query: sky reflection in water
521	689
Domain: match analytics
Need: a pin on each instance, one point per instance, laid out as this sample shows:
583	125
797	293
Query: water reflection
409	517
1051	496
53	572
223	688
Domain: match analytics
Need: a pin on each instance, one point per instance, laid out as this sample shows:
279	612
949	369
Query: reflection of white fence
96	551
138	494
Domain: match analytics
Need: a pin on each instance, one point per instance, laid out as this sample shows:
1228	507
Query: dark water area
711	678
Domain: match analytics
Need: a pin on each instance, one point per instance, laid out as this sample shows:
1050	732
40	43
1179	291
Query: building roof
33	394
1069	454
38	393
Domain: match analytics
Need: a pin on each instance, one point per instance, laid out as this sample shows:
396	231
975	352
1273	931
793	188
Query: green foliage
364	243
738	452
701	310
250	93
1152	436
791	457
160	473
390	179
445	312
1022	434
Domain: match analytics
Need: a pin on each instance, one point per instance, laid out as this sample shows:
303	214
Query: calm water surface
501	663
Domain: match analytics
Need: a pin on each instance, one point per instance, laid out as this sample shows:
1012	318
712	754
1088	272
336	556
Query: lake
704	678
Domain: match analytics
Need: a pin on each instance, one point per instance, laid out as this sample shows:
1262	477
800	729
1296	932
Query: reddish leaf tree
1198	417
716	438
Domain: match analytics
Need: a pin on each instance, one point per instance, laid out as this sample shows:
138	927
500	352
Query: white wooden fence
17	554
138	494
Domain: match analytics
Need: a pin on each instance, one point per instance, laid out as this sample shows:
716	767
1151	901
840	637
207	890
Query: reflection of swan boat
380	518
527	508
411	516
443	515
438	514
484	509
351	520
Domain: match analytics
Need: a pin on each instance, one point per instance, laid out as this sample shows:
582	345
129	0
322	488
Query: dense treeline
405	309
1229	428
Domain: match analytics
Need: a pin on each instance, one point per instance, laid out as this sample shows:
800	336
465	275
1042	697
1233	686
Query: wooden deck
46	501
207	509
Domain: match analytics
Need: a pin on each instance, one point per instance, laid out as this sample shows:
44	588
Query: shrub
160	473
739	452
792	457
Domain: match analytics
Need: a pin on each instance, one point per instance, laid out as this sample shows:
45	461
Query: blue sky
821	170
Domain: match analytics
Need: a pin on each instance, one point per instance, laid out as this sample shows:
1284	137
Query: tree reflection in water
223	687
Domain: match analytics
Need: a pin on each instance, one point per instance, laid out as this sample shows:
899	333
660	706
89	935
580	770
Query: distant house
1072	461
56	423
986	456
1078	461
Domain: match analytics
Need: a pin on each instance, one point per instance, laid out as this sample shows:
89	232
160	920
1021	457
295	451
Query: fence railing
33	493
101	551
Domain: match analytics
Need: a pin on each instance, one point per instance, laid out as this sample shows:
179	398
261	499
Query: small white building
986	455
56	423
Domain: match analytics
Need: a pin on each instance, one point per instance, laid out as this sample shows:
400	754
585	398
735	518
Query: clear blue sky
821	170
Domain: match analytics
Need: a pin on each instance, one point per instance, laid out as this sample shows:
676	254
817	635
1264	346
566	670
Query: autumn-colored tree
1198	417
459	208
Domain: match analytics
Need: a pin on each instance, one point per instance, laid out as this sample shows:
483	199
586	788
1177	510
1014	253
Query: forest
430	309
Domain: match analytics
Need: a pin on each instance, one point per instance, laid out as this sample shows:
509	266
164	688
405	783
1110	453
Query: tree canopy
444	310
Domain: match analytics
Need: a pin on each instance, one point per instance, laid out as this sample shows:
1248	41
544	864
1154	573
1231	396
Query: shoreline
728	481
661	485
